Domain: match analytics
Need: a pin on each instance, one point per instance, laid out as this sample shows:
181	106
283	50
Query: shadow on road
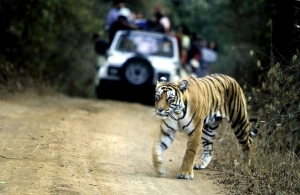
143	95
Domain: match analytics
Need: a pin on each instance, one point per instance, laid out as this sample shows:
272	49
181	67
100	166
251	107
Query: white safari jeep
137	59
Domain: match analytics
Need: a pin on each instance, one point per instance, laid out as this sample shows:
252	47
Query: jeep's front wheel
138	72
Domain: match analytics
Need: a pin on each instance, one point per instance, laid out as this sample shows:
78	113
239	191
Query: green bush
47	39
275	162
280	96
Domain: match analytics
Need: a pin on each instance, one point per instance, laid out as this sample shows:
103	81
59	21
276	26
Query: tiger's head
169	97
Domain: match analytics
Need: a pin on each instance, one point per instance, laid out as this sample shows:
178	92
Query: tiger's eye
170	100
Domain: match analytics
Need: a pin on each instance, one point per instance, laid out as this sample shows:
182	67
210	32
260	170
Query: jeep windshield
147	44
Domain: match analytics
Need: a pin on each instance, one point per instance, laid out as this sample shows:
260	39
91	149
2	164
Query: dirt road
54	144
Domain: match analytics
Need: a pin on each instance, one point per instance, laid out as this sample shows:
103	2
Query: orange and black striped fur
197	106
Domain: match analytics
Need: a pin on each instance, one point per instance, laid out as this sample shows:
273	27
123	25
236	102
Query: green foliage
278	103
43	39
236	26
275	153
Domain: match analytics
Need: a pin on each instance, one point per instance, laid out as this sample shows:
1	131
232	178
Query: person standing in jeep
121	23
114	13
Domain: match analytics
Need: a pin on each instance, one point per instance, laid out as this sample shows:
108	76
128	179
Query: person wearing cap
121	23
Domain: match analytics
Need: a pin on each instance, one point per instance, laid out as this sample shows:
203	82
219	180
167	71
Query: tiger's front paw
185	175
199	166
160	169
162	172
202	165
158	165
206	158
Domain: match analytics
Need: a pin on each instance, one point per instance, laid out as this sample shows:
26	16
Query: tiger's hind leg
208	135
242	133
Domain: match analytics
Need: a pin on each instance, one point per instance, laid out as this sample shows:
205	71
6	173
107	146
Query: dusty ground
54	144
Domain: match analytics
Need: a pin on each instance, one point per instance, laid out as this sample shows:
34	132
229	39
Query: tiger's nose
160	109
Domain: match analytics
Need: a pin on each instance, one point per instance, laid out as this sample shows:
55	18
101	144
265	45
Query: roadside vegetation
275	155
49	42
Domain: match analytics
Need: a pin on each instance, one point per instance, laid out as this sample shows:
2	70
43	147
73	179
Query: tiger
196	106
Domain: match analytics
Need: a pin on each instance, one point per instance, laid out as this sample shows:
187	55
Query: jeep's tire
137	72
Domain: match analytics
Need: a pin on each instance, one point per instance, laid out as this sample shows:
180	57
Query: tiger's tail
254	131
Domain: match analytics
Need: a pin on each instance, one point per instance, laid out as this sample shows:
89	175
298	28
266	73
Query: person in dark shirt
155	25
114	13
100	46
122	23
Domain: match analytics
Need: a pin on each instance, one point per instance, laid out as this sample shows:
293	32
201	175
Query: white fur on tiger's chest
171	123
185	124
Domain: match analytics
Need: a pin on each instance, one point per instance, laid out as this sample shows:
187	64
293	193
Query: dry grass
273	171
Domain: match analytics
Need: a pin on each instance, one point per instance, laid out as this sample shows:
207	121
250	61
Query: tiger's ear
183	85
